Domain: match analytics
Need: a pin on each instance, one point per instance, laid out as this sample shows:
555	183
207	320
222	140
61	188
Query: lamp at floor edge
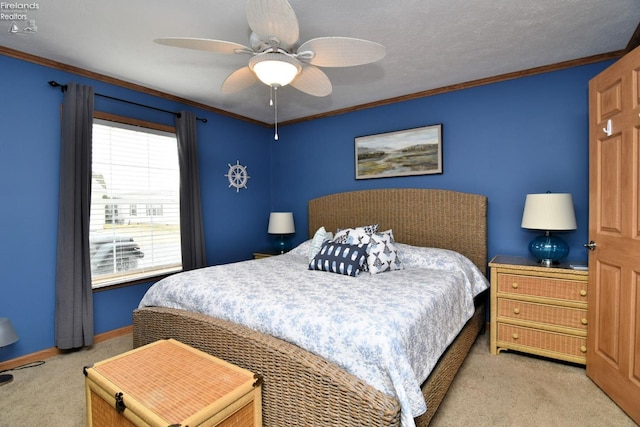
8	336
549	212
281	224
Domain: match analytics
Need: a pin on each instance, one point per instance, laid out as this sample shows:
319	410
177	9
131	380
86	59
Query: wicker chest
168	383
538	310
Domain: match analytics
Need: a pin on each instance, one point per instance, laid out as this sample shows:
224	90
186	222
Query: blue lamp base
282	244
548	249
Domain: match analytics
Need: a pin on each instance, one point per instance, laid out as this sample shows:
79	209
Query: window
135	205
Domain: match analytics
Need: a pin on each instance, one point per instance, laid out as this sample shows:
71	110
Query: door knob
591	245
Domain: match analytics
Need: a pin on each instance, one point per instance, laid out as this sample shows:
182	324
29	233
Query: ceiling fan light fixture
275	69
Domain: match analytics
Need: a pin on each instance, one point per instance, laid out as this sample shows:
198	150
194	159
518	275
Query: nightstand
265	254
538	310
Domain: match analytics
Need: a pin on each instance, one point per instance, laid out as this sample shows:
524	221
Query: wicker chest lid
173	380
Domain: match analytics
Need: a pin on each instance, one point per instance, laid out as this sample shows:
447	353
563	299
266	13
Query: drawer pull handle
515	336
583	293
583	349
516	310
514	285
583	321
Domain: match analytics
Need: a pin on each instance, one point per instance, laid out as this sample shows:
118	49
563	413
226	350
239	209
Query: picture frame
416	151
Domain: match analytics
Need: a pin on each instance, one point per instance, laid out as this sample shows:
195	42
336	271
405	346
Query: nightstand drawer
544	343
551	315
570	290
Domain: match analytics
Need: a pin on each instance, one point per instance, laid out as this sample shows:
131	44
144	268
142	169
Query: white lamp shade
281	223
8	335
275	69
549	211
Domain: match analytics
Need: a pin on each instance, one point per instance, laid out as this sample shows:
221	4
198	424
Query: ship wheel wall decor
237	176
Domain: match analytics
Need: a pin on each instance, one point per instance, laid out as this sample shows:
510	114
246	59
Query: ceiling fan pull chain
270	96
275	99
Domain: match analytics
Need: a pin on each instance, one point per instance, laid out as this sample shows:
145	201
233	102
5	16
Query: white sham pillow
319	238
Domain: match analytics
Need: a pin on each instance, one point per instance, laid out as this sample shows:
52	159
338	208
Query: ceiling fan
276	59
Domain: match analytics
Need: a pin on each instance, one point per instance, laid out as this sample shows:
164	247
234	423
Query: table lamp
7	336
281	224
549	212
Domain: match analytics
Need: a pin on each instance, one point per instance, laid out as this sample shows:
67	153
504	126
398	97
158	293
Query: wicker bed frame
301	388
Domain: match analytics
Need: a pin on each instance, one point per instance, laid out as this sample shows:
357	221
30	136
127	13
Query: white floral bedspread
388	329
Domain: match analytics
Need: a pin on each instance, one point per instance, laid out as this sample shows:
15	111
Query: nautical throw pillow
340	258
382	253
355	235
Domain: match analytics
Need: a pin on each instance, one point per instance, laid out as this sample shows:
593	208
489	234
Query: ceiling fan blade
313	81
217	46
239	80
341	51
273	19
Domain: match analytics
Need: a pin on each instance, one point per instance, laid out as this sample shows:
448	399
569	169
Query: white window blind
135	205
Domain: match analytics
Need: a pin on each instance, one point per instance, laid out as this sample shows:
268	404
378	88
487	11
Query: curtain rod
53	83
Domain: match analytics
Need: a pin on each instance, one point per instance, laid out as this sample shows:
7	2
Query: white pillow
319	238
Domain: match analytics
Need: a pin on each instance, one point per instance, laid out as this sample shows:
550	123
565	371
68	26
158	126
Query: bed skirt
299	387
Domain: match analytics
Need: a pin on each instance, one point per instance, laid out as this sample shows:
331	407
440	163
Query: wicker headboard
420	217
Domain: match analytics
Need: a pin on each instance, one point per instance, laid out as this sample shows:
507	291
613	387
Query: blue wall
29	170
503	140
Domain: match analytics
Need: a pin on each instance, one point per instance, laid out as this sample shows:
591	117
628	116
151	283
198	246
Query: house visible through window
135	206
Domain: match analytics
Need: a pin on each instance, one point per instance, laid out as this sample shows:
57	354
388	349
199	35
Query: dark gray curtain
74	297
191	229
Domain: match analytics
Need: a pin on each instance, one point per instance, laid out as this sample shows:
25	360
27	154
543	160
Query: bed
302	388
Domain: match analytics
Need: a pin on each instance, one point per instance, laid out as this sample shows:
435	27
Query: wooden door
613	342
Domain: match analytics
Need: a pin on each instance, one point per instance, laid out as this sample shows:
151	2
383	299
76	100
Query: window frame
153	126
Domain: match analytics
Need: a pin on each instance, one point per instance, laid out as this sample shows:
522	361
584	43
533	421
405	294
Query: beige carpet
517	390
504	390
53	394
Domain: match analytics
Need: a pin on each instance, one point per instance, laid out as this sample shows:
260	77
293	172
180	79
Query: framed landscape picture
407	152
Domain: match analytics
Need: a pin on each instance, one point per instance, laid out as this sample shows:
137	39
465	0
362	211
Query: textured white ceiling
430	44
